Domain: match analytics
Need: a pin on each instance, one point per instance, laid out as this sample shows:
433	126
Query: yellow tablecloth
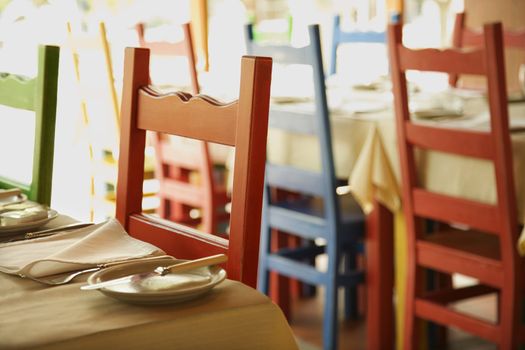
230	316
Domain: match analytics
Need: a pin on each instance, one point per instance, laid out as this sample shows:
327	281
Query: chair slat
362	37
294	179
438	314
174	115
299	123
462	142
478	215
458	261
447	61
190	244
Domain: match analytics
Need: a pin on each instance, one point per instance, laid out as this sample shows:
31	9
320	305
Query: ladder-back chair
242	124
479	240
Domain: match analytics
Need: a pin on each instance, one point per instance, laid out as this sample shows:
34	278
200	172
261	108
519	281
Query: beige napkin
73	250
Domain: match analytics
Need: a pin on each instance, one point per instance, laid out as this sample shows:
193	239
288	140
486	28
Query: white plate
437	113
187	286
26	226
19	198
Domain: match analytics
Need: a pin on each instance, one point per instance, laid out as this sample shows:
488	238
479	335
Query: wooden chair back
502	270
242	124
38	94
468	37
343	37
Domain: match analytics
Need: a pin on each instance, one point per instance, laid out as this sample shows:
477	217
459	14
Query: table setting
57	255
63	281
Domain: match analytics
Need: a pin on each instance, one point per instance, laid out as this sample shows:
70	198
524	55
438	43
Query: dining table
34	315
365	155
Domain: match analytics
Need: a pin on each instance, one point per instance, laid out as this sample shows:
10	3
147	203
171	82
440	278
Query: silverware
49	232
66	277
160	271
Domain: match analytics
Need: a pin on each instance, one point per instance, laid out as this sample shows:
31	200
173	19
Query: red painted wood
173	167
491	259
435	60
469	37
180	115
249	120
474	214
379	279
466	143
438	314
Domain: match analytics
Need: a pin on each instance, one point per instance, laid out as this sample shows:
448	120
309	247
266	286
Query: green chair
38	94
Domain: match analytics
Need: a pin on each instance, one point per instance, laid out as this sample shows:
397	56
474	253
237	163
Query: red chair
242	124
487	249
467	37
175	170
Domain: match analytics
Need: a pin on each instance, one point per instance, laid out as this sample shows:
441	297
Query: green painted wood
17	91
40	95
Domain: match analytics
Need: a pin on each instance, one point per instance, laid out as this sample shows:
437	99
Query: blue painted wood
340	37
295	180
300	214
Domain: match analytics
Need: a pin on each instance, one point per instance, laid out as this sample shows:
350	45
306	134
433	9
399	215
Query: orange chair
486	250
178	193
467	37
242	124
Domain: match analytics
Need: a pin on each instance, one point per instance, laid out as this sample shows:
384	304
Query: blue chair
314	210
341	37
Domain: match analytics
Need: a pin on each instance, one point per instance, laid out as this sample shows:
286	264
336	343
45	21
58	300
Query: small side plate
26	226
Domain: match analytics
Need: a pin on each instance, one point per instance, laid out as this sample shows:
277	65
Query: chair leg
437	334
330	320
263	274
280	285
351	307
508	316
308	290
412	326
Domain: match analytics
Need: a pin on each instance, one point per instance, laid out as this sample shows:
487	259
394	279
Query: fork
66	277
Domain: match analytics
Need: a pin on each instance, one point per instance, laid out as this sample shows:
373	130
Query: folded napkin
73	250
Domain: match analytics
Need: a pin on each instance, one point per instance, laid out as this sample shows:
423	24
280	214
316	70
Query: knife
48	232
160	271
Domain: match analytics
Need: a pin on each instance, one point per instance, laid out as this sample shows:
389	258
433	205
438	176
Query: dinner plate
171	288
26	226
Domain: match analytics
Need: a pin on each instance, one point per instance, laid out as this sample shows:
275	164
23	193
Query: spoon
63	278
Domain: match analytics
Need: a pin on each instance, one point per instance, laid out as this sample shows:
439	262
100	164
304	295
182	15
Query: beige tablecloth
231	316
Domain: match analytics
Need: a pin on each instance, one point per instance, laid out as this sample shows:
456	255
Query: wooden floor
306	323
